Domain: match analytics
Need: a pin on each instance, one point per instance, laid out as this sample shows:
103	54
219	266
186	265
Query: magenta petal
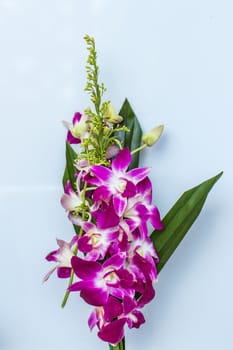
68	188
46	277
142	211
143	264
63	272
138	174
122	161
155	219
78	286
101	172
145	186
143	229
133	224
112	309
128	304
102	193
85	269
86	225
113	332
95	296
139	319
116	261
92	320
126	278
107	218
130	190
71	139
84	244
53	255
119	204
148	294
76	118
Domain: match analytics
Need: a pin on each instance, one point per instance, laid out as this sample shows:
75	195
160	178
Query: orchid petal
80	285
95	296
46	277
85	269
113	332
52	256
92	320
63	272
102	193
68	188
76	220
130	190
71	201
144	188
128	304
119	204
112	309
71	139
76	118
136	319
115	261
122	161
155	219
103	173
84	244
138	174
147	295
66	124
107	218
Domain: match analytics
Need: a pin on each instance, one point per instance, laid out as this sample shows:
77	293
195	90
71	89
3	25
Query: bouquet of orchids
112	259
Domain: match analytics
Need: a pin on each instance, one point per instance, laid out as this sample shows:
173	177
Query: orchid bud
152	136
112	151
111	116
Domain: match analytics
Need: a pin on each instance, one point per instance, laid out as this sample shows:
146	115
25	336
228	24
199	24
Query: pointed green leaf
70	168
70	171
133	138
179	219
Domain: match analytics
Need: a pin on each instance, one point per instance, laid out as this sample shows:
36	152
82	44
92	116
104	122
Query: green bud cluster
102	125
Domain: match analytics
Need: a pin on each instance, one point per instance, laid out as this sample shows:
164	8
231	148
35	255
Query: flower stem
66	296
139	149
120	346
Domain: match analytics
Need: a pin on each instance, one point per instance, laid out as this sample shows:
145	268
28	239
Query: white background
173	60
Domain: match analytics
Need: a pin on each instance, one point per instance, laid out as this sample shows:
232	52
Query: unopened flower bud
111	116
112	151
152	136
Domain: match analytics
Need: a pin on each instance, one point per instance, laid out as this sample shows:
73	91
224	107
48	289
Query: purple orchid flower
116	182
111	329
98	281
70	200
96	241
113	316
143	259
62	257
102	315
139	209
144	192
78	129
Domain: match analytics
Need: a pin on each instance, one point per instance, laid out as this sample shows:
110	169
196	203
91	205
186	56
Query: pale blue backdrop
173	60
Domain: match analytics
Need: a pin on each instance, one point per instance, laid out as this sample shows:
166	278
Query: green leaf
133	138
70	168
179	219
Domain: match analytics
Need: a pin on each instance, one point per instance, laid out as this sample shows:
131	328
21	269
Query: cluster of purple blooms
115	264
